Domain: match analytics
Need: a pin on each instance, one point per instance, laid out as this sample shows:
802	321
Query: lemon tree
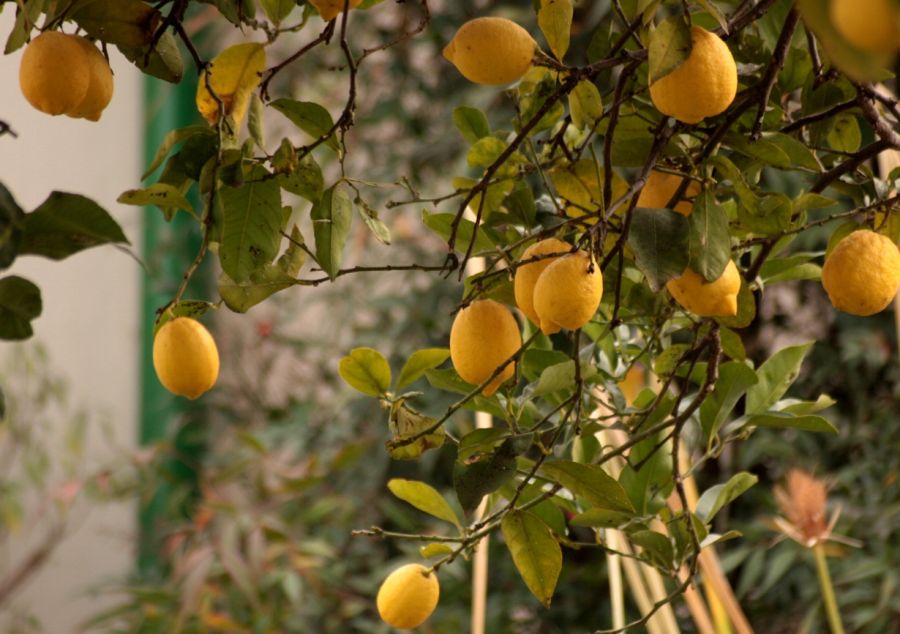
619	211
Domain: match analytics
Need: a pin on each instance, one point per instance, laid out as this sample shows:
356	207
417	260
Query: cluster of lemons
65	74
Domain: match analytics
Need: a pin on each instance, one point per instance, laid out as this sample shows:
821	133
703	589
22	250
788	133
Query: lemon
703	86
408	596
871	25
484	335
329	9
568	292
527	274
491	51
100	86
862	273
708	299
185	357
581	185
54	73
659	189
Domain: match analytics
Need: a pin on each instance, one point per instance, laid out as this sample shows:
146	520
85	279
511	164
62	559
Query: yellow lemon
54	73
491	51
527	274
329	9
484	335
568	293
862	273
871	25
185	357
634	381
703	86
659	189
100	86
708	299
408	596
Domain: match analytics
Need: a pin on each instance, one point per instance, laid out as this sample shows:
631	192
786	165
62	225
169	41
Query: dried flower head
802	502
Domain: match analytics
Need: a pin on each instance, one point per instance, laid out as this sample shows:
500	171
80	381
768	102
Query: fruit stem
831	607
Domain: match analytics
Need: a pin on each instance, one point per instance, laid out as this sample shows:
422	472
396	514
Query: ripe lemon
708	299
568	293
703	86
408	596
862	273
484	335
872	25
54	73
329	9
491	51
527	274
659	189
185	357
100	86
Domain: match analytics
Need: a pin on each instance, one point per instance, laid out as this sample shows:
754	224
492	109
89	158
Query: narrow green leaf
589	482
710	242
716	497
65	224
310	117
373	222
425	498
775	376
656	547
735	378
535	552
711	9
441	224
129	23
472	123
435	549
480	441
25	21
172	139
166	197
20	303
660	239
251	225
786	420
555	21
670	45
331	217
11	218
420	361
366	371
165	60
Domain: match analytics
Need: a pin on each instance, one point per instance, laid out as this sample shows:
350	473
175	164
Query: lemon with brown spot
568	292
491	51
708	299
704	85
185	357
862	274
483	337
408	596
527	274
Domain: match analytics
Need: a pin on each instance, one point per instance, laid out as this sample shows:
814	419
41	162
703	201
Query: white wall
91	318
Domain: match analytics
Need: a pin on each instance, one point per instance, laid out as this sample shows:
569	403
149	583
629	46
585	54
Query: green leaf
331	218
480	441
535	552
735	378
435	549
711	9
251	225
20	302
472	123
775	376
589	482
710	242
11	217
557	377
485	151
172	139
660	240
555	21
601	518
441	225
193	308
310	117
129	23
278	10
425	498
366	371
716	497
649	485
656	547
487	286
405	423
259	286
256	121
65	224
844	135
785	420
475	479
25	21
165	61
305	180
670	45
420	361
585	105
373	222
166	197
